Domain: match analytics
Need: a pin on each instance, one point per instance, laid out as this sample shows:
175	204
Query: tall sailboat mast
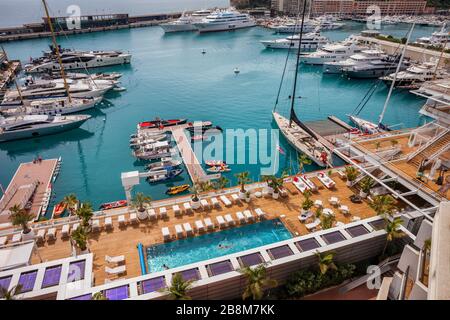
58	55
386	103
19	91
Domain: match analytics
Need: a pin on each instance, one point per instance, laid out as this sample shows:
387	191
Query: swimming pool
213	245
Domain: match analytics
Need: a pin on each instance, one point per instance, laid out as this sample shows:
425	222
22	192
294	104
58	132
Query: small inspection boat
158	123
59	209
113	205
177	189
164	176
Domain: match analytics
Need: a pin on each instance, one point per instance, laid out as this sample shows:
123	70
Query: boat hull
171	28
208	27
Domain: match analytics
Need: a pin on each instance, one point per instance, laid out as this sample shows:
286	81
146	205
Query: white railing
426	145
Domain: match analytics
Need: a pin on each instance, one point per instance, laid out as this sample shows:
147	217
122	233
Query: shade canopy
16	256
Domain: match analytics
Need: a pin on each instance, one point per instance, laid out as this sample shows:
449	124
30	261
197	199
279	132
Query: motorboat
293	27
332	52
437	39
225	20
185	22
310	42
165	162
160	124
136	144
59	209
177	189
214	163
375	68
113	205
217	169
164	175
360	58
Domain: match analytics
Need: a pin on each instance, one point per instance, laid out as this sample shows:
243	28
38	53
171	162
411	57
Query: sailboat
299	136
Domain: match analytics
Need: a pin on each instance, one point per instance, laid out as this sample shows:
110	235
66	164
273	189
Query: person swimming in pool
165	267
221	246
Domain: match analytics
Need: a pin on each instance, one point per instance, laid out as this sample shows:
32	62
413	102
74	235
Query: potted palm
307	202
383	204
366	184
138	202
178	288
85	213
243	178
351	173
71	202
195	201
79	237
325	261
20	217
302	161
277	183
247	196
257	282
221	183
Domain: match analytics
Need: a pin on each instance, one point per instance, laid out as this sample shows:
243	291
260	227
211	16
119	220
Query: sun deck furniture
328	212
199	226
133	218
152	214
340	224
187	207
305	216
3	241
108	223
260	213
235	198
187	227
166	233
333	201
163	212
204	204
121	220
176	209
300	184
51	234
258	194
248	215
326	180
115	259
215	202
116	270
75	227
344	209
96	225
208	223
341	174
311	185
318	203
225	201
355	218
283	192
229	219
221	221
240	217
313	225
65	231
179	231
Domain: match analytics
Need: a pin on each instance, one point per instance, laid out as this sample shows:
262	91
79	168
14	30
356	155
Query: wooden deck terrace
123	240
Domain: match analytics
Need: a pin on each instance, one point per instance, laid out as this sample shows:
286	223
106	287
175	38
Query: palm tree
79	236
325	261
394	143
257	281
351	173
273	182
20	217
221	183
11	293
243	178
392	232
195	189
139	200
425	249
99	296
366	184
383	204
178	288
326	221
302	161
70	201
205	186
85	213
307	202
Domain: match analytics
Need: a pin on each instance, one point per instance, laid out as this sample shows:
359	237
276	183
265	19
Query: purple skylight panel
280	252
307	244
357	231
251	259
5	282
378	224
220	267
333	237
83	297
76	271
51	276
191	274
152	285
27	280
118	293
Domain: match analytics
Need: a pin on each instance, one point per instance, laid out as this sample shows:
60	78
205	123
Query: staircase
430	151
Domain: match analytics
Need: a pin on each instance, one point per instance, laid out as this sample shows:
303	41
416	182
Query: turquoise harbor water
212	245
170	78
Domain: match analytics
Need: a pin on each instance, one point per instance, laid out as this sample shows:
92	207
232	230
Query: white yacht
32	126
332	53
362	57
185	22
438	38
310	42
308	26
329	23
225	20
72	60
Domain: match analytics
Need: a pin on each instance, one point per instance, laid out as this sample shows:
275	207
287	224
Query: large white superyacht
185	22
310	42
224	21
362	57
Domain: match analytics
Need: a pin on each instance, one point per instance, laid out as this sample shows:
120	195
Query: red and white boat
59	209
113	205
215	163
158	123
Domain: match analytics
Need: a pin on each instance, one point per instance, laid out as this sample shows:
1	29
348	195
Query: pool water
213	245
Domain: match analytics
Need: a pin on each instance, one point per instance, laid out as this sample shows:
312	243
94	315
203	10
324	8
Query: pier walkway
29	188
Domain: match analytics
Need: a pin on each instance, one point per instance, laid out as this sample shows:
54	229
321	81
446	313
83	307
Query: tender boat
225	21
159	177
113	205
177	189
59	209
159	123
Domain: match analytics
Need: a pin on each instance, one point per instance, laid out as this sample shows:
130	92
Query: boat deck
29	183
123	240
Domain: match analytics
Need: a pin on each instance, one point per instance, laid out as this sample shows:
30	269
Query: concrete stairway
431	150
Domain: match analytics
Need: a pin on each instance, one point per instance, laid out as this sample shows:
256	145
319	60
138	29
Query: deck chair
116	270
115	259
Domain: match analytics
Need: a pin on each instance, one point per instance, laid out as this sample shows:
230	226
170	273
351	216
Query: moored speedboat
213	163
158	123
177	189
113	205
59	209
169	162
164	176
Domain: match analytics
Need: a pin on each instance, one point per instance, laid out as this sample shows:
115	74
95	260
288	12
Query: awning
16	256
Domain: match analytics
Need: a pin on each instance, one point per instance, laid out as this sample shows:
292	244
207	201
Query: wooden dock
29	188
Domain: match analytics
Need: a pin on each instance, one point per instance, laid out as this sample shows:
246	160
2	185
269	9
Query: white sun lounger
179	231
248	215
344	209
176	209
133	218
355	218
221	221
208	223
318	203
300	184
225	201
187	227
305	216
96	225
4	240
215	202
115	259
121	220
199	226
240	217
235	198
187	207
108	223
152	214
16	238
166	233
51	234
312	225
163	212
334	201
65	231
229	219
326	180
75	227
204	203
261	214
309	183
116	270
